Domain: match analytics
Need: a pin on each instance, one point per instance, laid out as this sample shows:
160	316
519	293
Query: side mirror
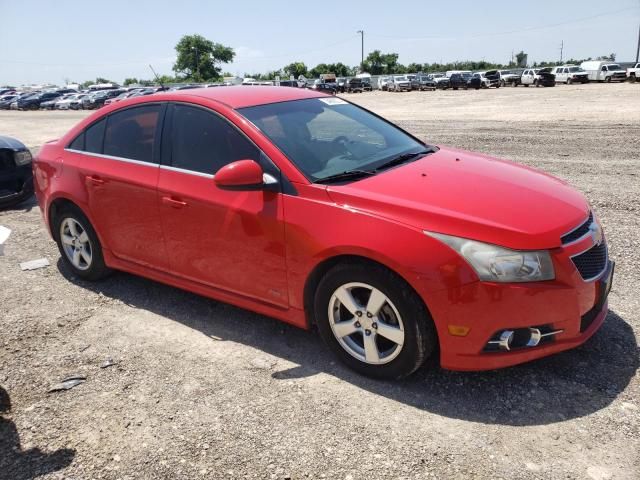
242	175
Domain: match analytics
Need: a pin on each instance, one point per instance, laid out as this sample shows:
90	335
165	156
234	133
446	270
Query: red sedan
307	208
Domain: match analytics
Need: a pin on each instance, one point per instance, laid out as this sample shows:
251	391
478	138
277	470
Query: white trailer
604	71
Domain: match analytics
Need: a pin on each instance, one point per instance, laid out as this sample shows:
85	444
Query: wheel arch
57	205
321	269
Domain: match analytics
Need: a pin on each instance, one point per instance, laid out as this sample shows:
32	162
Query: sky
53	41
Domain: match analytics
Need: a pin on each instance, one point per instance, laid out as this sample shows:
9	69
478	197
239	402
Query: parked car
413	81
366	84
425	82
51	104
65	102
286	83
97	100
7	90
325	87
633	73
474	81
538	77
399	83
461	80
570	74
6	100
355	85
442	81
76	103
509	78
265	204
383	83
488	79
32	102
16	178
604	71
341	83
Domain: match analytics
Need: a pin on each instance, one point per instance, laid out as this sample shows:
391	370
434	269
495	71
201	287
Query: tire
401	306
93	269
536	83
569	81
503	83
607	80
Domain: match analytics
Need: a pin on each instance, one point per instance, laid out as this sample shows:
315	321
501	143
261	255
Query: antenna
157	77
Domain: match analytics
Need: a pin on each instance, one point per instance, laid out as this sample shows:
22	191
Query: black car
341	84
460	80
325	87
366	85
16	179
32	102
97	100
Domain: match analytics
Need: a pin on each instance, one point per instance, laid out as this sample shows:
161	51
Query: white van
604	71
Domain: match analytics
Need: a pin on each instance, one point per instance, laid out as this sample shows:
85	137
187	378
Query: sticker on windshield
333	101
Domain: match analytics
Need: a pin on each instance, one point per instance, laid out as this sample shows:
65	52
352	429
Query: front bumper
568	303
16	185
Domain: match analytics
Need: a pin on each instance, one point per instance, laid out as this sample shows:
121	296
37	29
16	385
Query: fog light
506	339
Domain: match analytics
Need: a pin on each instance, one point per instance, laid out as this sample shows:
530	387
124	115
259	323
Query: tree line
200	60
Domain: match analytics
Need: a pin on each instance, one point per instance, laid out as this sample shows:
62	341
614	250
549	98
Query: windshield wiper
346	175
405	157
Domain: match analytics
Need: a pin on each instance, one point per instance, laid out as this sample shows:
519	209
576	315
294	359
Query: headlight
498	264
22	158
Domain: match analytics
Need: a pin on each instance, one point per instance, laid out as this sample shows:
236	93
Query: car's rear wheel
79	245
373	320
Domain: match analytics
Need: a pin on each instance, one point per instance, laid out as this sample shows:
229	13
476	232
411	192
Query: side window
78	143
604	68
131	133
203	142
94	136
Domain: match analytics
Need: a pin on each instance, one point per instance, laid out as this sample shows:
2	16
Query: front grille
591	263
7	163
578	232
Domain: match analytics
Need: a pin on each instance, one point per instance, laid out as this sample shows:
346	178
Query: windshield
328	136
401	79
575	69
614	66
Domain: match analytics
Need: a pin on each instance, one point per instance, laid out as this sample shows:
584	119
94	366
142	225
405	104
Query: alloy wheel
366	323
76	243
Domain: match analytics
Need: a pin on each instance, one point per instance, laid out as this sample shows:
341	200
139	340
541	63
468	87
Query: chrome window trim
110	157
606	262
188	172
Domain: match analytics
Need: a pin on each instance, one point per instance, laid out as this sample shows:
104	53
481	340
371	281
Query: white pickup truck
633	73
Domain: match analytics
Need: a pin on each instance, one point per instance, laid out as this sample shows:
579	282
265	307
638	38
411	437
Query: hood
11	143
473	196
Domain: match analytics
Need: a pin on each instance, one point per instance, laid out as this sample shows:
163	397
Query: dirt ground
201	389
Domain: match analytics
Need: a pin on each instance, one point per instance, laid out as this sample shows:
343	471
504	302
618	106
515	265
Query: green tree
296	69
130	81
199	58
378	63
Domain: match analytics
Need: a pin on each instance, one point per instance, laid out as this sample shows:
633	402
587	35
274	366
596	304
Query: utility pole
195	47
361	32
561	50
638	49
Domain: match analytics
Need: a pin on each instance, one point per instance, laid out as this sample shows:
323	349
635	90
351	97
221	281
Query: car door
118	161
229	239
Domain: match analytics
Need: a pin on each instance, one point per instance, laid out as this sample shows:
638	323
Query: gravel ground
201	389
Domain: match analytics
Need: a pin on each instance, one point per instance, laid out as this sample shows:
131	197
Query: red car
312	210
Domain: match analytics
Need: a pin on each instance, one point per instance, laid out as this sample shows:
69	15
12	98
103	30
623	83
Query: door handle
94	180
174	202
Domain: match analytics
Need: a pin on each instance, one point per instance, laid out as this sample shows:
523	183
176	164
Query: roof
248	96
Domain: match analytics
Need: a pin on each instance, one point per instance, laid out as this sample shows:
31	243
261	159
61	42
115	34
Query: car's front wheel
79	245
373	320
